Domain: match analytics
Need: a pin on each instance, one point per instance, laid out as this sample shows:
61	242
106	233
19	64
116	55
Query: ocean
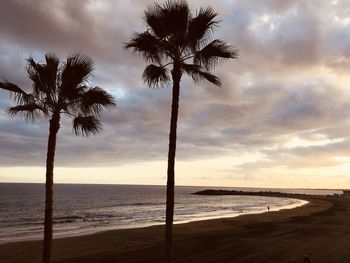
83	209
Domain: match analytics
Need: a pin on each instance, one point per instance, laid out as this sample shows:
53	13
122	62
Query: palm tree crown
61	88
175	36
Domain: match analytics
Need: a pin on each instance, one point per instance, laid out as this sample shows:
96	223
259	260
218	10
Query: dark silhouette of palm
175	38
59	88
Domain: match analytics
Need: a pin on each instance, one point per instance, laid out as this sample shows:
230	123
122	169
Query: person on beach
306	259
268	208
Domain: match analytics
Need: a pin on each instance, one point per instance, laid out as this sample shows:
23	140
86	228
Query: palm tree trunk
176	74
51	146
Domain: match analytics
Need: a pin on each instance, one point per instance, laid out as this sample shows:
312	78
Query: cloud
290	80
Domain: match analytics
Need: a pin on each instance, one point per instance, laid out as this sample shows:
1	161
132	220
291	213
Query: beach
319	229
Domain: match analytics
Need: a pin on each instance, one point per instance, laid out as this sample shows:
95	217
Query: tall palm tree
178	42
59	88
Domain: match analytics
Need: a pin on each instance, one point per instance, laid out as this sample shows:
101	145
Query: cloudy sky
281	118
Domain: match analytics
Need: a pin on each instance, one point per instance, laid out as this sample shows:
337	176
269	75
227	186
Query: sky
280	119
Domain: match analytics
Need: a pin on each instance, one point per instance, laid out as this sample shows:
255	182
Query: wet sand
321	229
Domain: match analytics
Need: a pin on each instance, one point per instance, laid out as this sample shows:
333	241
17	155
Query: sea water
82	209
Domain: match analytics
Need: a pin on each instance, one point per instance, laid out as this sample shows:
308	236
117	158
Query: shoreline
144	244
204	218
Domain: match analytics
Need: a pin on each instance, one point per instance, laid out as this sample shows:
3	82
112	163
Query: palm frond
154	20
37	74
44	76
29	111
154	75
52	60
20	96
198	74
208	76
168	19
175	17
76	70
200	27
86	125
52	66
11	87
95	100
71	101
147	45
215	52
32	68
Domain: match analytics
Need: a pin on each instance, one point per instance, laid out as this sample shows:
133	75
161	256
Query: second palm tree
177	39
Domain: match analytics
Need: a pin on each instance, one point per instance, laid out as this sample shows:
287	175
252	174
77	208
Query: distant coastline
253	193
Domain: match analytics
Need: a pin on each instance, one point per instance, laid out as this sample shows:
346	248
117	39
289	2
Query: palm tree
59	88
175	38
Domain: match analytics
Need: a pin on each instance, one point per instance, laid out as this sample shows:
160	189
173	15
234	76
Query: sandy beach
320	229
